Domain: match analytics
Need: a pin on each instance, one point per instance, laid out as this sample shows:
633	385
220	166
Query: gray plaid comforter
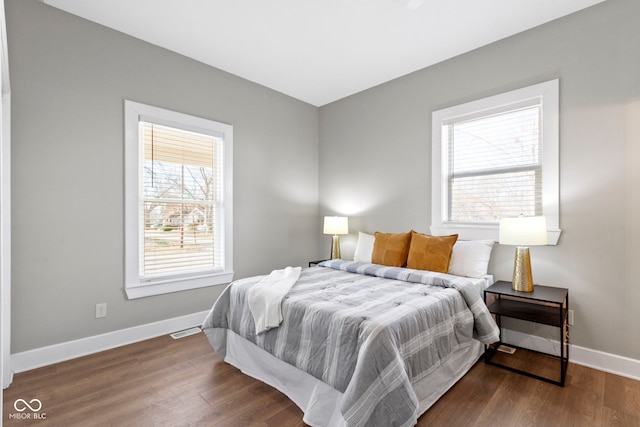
368	331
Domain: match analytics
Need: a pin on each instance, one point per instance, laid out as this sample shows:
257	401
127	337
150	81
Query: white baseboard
607	362
49	355
32	359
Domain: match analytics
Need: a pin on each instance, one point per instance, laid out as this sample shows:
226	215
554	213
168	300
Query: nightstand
545	305
317	262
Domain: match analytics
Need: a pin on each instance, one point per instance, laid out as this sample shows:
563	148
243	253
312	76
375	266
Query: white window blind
496	157
182	199
178	201
495	166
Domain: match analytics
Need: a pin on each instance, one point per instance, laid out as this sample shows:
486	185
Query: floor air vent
185	333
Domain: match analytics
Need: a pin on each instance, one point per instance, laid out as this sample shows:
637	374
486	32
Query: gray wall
375	162
69	79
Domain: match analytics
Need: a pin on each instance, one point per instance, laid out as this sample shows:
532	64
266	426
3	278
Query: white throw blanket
265	298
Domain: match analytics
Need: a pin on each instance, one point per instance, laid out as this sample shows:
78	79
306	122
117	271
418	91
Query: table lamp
336	225
522	232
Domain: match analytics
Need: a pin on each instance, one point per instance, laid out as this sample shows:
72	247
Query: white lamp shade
336	225
523	231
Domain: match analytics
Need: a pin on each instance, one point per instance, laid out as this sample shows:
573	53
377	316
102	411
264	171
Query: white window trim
548	92
6	374
133	287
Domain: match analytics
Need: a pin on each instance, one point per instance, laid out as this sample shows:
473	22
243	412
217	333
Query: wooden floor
166	382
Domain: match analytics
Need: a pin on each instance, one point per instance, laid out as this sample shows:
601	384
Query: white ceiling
319	51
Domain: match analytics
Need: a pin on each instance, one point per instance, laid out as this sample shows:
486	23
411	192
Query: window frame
135	112
547	93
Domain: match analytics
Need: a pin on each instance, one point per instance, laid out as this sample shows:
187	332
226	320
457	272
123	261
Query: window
496	157
178	201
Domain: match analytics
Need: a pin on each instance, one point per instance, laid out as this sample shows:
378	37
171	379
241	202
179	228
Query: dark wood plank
166	382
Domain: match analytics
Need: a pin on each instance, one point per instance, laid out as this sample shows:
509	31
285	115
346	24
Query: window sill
477	232
151	289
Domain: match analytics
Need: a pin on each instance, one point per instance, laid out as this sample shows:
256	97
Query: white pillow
364	247
470	258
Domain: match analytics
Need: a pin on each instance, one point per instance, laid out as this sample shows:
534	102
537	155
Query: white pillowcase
470	258
364	247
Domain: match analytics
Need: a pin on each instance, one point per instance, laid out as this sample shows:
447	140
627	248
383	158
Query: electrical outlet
570	319
101	310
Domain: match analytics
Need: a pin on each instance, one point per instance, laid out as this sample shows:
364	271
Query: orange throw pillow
391	249
431	253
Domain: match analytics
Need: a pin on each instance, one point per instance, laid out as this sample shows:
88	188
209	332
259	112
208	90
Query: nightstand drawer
528	311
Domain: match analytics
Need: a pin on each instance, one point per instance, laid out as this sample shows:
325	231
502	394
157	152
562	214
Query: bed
360	343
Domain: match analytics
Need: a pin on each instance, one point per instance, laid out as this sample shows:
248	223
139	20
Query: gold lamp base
335	247
522	278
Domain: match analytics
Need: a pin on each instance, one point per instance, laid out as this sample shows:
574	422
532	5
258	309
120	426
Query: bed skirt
320	402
